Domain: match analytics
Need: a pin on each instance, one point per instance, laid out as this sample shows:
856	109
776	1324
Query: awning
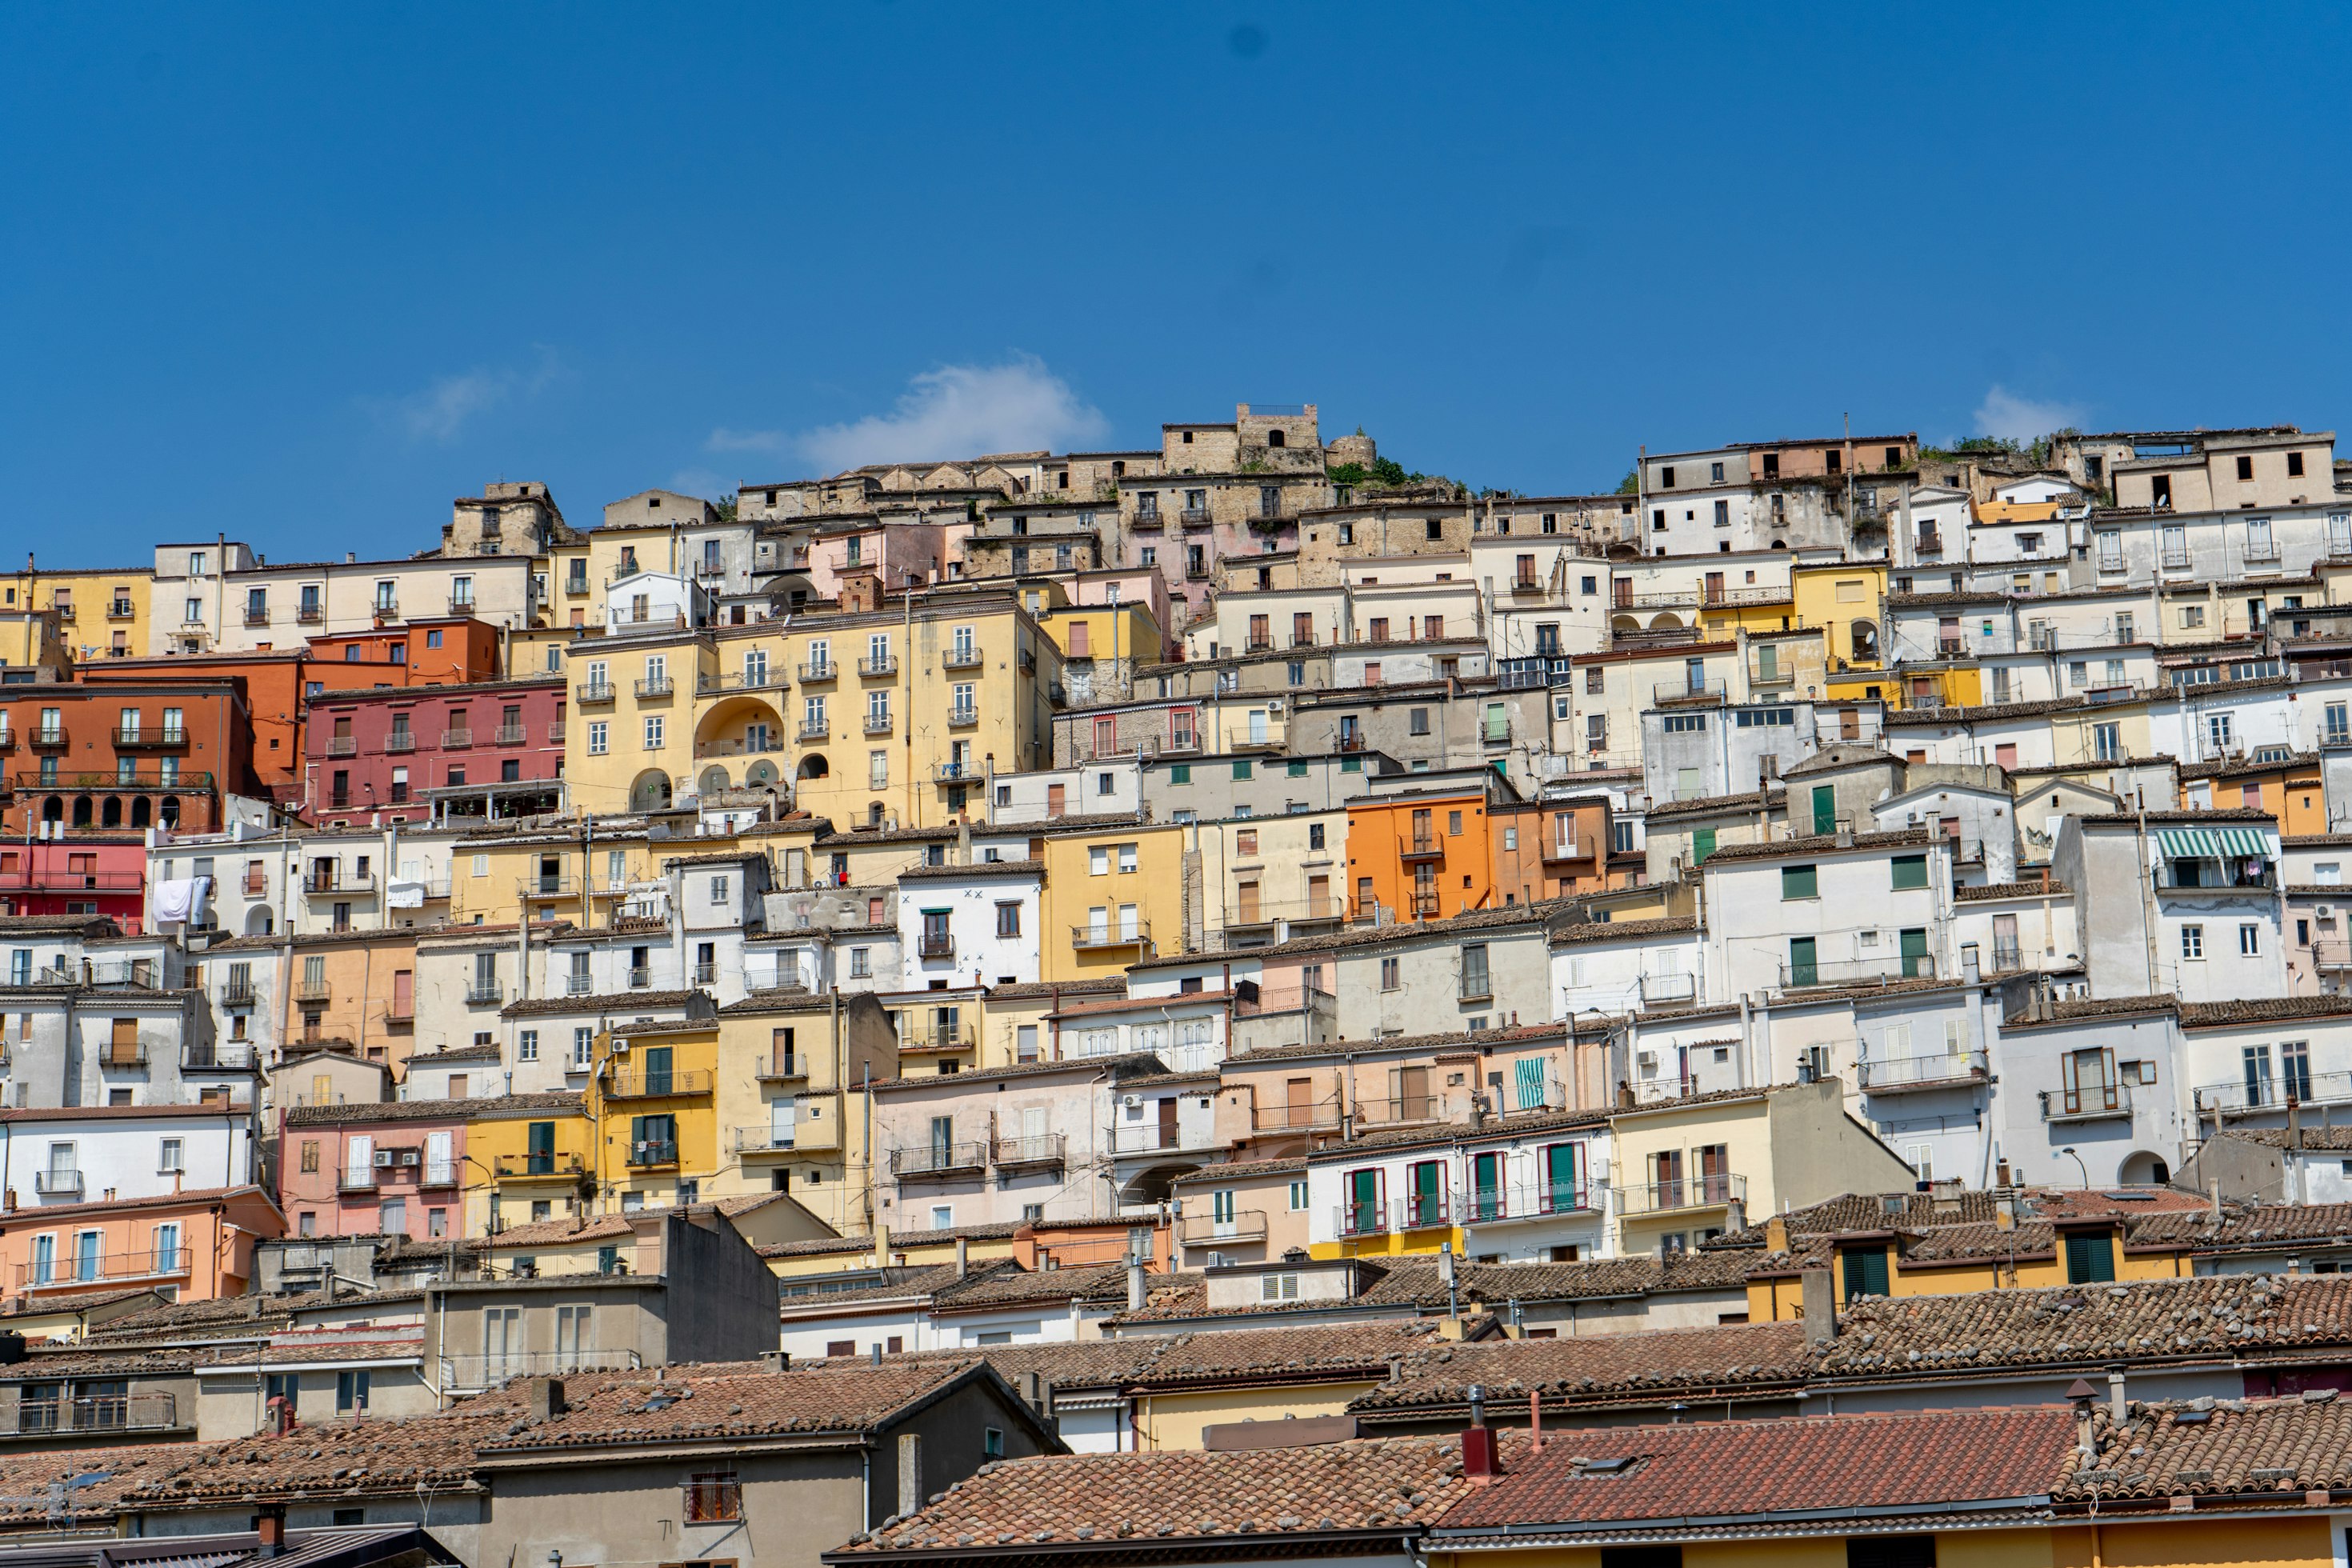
2211	843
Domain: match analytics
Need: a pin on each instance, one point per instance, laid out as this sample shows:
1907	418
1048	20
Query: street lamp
2079	1166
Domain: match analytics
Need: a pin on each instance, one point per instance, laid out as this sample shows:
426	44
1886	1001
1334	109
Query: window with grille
713	1496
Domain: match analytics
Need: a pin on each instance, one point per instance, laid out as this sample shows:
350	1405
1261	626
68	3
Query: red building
123	755
414	753
92	872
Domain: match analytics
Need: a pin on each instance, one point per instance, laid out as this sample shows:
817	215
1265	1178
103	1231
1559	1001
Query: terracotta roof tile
1601	1366
731	1405
2236	1450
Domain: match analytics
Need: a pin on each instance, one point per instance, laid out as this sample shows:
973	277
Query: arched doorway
259	922
651	792
2142	1169
142	814
171	809
814	766
712	781
761	774
1669	622
81	816
53	809
110	816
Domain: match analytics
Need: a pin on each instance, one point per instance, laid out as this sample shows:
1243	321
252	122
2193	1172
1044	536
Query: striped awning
2211	843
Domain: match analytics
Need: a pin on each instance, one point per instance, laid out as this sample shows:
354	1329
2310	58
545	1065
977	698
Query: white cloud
955	411
440	412
2004	414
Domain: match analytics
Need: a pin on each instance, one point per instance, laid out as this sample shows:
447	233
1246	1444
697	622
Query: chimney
2004	1211
1776	1234
1478	1441
1820	1306
544	1397
881	1245
1845	833
269	1529
2116	1404
281	1415
963	1255
1134	1281
2084	1395
910	1473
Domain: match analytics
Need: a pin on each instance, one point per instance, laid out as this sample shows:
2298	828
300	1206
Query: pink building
397	1168
906	550
418	753
88	872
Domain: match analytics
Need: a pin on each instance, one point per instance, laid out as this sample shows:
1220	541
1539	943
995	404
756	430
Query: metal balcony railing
650	1152
1423	844
656	686
1528	1200
223	1056
1314	1118
935	944
670	1085
58	1184
1208	1229
2087	1102
641	977
1667	693
871	667
780	1067
877	723
1154	1138
595	691
508	735
937	1159
48	737
461	606
2305	1086
237	994
1420	1212
484	993
528	1167
1386	1109
256	614
1194	517
936	1038
814	729
1039	1150
1896	1074
1676	1192
99	1413
769	1139
1091	938
828	670
87	1267
1860	971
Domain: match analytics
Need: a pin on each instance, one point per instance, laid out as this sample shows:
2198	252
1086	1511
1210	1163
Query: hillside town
1223	1002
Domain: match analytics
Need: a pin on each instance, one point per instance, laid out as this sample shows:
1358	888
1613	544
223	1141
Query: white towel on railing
181	899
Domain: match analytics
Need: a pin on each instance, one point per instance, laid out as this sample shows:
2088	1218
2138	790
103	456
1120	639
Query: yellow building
870	717
29	639
1113	894
1842	599
629	735
101	613
608	1242
530	1150
1956	1261
582	874
1124	634
790	1113
653	1097
1257	872
546	650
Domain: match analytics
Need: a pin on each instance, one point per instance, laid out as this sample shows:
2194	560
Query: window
2192	941
1388	974
1799	882
1127	857
1098	860
2250	940
1008	919
653	731
715	1496
2090	1257
527	1045
350	1392
171	1157
1910	871
1474	980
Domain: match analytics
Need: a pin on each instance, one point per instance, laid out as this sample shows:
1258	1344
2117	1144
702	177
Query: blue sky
301	275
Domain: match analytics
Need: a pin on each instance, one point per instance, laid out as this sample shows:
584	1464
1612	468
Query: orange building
2290	787
276	687
455	650
196	1245
1552	848
1420	857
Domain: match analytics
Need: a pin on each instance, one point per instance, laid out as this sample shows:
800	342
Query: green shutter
1910	871
1180	773
1915	956
1527	1083
1799	882
1560	1195
1803	970
2090	1257
1824	809
1242	770
1702	845
1866	1271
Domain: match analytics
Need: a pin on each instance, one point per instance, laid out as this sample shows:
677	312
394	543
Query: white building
972	922
106	1153
1828	910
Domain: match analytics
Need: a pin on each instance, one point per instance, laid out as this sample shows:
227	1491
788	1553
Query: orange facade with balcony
1552	849
196	1246
2293	789
456	650
123	755
1420	857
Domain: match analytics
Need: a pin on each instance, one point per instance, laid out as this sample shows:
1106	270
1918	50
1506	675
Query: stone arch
1153	1186
712	781
1864	635
81	815
143	812
741	725
53	809
259	921
1624	624
650	791
110	815
814	766
2142	1169
171	809
761	774
1667	622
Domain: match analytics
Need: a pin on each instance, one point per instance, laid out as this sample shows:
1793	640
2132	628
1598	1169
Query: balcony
935	945
484	993
1320	1117
121	610
313	991
99	1413
1931	543
1147	522
2174	560
1042	1153
706	974
549	887
828	670
1422	1211
1389	1110
961	659
310	613
1575	847
939	1160
237	994
1208	1230
219	1057
1156	1137
650	1153
656	686
2222	878
545	1165
386	609
322	884
672	1085
133	738
963	717
1860	972
1907	1075
461	606
58	1184
1685	693
938	1038
1194	516
256	614
2087	1102
877	723
400	742
49	738
1682	987
958	773
1532	1200
555	732
1196	571
781	1067
875	669
1676	1194
813	730
356	1179
593	692
1102	938
1423	905
769	1139
91	1269
337	745
1424	846
509	735
577	587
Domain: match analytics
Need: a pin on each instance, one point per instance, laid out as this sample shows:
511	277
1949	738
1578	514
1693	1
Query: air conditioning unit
383	1159
1131	1101
410	1157
1274	706
620	1046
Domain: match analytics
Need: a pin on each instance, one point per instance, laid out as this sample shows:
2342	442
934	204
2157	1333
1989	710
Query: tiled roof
1821	843
2232	1449
392	1456
27	1475
1437	929
1243	1170
1824	1464
974	869
620	1002
1584	932
2260	1010
2076	1011
684	1404
1391	1486
899	1239
1990	890
1710	804
429	1110
2251	1226
1414	1285
1125	1065
2209	814
1465	1039
1725	1360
